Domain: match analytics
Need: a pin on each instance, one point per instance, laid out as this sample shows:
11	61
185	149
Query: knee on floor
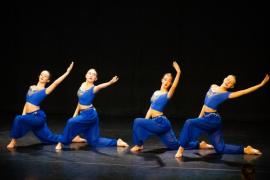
219	149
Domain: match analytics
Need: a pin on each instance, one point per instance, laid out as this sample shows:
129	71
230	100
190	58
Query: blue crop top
214	99
159	101
35	96
86	97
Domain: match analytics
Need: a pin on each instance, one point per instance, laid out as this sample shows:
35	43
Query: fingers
266	77
70	66
176	66
265	80
115	78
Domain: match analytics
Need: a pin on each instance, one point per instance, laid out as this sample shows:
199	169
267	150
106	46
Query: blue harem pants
86	123
36	122
159	126
210	124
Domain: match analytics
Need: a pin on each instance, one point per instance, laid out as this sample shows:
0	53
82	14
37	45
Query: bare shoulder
83	85
214	86
156	92
33	87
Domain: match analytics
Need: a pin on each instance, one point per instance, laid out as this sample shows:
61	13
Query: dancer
155	122
33	118
85	119
209	120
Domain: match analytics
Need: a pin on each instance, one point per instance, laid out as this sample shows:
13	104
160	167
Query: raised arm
59	80
104	85
176	79
249	90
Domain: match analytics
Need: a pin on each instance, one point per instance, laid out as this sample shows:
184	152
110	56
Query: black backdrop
136	41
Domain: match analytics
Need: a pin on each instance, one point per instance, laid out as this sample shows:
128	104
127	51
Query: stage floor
33	160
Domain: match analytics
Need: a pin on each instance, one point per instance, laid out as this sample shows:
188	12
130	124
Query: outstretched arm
59	80
104	85
176	79
249	90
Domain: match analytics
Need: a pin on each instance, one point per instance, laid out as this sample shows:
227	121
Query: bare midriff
155	113
208	109
83	107
30	107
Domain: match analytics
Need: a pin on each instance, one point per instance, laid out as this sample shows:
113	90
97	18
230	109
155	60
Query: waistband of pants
160	116
35	112
214	113
87	109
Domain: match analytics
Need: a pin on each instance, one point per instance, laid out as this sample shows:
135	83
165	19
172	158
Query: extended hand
176	66
114	79
70	67
265	80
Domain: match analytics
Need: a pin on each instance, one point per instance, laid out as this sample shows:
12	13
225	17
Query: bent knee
18	118
92	142
189	121
137	121
72	121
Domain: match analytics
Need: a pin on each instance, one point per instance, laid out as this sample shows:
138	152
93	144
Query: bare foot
12	144
121	150
204	145
249	158
179	152
58	146
78	139
179	160
136	148
77	146
121	143
251	150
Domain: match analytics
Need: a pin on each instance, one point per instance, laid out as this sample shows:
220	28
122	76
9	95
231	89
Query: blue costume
34	121
210	124
87	123
160	126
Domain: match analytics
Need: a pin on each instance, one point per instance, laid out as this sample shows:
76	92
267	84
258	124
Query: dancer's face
166	80
229	82
91	75
44	76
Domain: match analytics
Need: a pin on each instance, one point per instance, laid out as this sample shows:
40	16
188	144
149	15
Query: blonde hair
50	75
94	70
168	74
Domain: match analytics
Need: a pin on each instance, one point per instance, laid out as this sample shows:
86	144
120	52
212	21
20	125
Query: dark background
138	42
